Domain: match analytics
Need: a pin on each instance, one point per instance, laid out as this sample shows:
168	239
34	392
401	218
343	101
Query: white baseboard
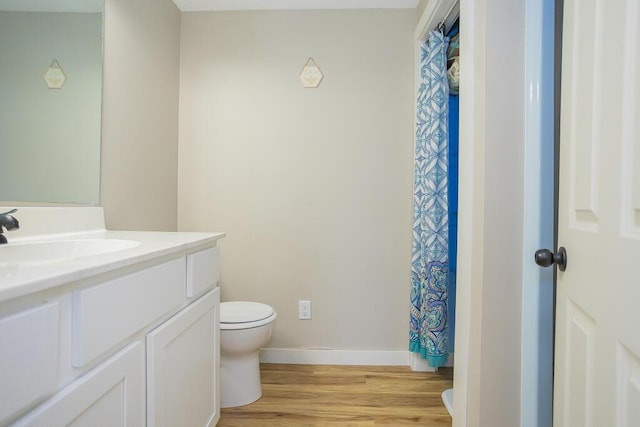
347	357
418	364
334	357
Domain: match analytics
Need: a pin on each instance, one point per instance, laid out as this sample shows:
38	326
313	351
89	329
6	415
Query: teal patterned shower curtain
430	252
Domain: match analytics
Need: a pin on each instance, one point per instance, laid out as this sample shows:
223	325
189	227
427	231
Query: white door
597	360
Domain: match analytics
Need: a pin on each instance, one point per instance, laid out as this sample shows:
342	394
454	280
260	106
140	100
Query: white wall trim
470	215
334	357
217	5
348	357
481	387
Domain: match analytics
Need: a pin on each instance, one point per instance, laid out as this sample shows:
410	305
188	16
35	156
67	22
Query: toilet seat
245	315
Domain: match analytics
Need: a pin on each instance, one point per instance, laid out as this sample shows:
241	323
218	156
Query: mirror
50	100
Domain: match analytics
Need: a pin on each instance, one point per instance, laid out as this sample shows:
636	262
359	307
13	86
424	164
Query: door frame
538	296
496	275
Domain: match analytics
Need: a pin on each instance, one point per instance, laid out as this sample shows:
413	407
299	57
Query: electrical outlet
304	310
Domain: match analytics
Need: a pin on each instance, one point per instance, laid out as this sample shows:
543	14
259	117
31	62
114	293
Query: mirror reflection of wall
50	138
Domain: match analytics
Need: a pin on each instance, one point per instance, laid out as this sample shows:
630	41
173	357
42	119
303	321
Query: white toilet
244	328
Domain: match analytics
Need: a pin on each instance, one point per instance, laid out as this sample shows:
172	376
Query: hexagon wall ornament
55	77
310	76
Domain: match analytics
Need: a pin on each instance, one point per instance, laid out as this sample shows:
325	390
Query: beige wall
140	114
313	186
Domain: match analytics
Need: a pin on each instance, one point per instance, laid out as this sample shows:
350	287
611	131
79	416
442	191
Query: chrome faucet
9	222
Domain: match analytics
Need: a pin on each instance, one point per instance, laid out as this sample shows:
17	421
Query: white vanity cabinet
129	347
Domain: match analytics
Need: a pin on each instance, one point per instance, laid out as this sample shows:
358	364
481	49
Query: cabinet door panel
110	395
29	351
108	411
182	367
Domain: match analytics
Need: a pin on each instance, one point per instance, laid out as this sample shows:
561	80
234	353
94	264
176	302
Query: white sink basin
59	250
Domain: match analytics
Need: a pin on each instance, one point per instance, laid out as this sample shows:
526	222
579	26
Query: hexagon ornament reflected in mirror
310	76
54	76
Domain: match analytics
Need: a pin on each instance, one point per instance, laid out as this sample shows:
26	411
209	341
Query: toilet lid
244	311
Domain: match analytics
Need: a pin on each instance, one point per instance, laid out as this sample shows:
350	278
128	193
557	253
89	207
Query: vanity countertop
18	279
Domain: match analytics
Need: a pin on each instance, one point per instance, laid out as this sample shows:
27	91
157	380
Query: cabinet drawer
105	315
29	349
203	271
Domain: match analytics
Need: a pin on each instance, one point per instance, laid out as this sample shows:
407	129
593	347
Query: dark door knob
545	258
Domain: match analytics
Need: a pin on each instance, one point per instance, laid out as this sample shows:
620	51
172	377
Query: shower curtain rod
441	26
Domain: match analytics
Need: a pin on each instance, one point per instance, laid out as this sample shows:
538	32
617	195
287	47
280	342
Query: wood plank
329	395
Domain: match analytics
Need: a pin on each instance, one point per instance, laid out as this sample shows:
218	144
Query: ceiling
204	5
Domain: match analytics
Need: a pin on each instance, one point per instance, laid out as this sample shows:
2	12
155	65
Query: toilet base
239	380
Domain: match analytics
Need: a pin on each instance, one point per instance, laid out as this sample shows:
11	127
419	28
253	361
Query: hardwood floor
323	395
